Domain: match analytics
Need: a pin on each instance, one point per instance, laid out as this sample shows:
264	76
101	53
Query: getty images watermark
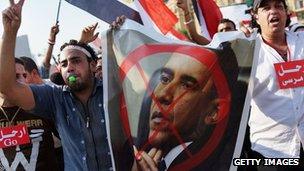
267	162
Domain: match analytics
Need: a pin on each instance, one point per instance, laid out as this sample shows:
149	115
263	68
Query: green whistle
72	79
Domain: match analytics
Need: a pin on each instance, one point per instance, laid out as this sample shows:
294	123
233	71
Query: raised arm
51	41
15	92
189	21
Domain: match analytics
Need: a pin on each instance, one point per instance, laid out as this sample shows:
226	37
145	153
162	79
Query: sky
39	15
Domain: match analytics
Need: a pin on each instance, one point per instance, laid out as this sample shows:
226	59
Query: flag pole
58	11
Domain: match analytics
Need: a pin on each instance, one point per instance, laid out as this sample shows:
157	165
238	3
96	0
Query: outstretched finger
12	2
20	3
95	25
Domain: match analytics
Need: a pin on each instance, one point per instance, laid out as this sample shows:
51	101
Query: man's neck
84	95
278	42
275	39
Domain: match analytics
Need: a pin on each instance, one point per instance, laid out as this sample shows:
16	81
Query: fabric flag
160	14
209	16
154	90
153	12
157	15
107	10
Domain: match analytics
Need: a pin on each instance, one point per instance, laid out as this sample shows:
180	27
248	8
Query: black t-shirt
39	154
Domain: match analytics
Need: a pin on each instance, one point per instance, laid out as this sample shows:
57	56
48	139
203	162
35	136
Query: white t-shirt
277	115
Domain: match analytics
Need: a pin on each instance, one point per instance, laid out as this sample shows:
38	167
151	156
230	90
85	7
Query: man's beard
76	87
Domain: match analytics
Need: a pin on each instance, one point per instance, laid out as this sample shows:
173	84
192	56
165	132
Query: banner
184	99
237	13
106	10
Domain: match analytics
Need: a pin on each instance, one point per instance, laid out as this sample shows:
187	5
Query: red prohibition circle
207	58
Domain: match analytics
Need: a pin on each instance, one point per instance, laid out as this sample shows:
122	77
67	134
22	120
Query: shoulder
301	35
295	35
46	89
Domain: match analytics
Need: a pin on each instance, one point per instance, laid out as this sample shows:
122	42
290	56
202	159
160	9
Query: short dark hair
19	61
29	64
226	20
260	3
83	45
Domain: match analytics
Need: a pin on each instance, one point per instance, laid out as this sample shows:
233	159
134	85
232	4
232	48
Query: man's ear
212	112
35	72
93	66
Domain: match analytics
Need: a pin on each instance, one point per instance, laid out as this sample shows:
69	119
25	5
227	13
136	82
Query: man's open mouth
274	20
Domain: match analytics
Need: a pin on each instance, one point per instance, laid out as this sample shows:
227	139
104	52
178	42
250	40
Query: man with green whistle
76	107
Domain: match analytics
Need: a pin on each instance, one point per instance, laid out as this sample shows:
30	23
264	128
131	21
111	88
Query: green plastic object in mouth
72	79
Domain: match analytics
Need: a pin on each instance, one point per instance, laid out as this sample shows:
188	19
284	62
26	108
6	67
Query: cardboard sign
14	135
290	74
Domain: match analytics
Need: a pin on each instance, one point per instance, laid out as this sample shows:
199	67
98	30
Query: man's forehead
19	67
70	53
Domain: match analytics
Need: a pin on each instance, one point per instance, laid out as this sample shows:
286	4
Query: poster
185	99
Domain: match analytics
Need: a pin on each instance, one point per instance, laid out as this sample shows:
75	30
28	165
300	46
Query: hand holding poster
175	97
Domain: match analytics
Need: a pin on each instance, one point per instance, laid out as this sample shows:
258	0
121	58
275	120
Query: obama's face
181	100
